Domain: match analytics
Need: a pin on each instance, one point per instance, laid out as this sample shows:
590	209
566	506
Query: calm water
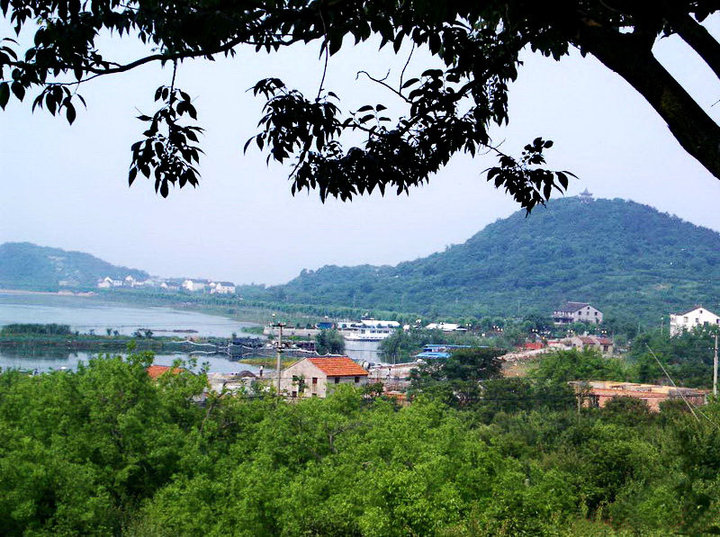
85	314
64	360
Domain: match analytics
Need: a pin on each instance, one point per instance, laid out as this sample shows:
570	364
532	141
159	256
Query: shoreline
20	292
141	302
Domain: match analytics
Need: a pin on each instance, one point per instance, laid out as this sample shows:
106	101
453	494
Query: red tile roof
341	366
156	371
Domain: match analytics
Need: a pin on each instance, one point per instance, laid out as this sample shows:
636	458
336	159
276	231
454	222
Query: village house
577	312
171	285
696	317
600	343
194	285
107	282
222	288
232	382
597	394
317	377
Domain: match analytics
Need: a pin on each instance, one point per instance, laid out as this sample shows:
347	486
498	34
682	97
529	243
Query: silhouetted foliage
449	105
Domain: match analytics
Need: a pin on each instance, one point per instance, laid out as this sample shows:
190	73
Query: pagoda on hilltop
585	196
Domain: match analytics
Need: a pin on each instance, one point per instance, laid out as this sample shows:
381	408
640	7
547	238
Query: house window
294	394
357	380
314	380
337	380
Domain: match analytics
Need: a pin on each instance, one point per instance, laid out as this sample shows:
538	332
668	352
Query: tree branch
629	57
701	41
382	82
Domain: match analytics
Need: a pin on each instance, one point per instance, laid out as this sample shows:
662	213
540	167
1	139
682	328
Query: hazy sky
67	186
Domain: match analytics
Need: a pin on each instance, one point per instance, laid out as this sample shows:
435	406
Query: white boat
367	329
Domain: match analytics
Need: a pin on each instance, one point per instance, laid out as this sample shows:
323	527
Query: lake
85	313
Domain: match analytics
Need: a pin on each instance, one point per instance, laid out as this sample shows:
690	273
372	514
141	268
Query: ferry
367	329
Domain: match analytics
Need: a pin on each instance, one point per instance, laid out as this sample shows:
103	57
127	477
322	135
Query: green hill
619	255
24	265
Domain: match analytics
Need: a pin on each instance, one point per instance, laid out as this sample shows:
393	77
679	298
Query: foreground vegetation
106	451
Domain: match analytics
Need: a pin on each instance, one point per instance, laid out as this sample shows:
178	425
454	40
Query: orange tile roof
156	371
341	366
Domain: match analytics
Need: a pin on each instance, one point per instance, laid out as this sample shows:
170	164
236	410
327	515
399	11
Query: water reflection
52	359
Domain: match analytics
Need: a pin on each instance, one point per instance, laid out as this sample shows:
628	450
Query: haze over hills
24	265
622	256
617	254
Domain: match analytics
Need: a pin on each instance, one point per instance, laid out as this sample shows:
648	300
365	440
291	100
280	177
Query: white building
691	319
222	288
367	329
317	377
193	285
107	282
446	327
577	312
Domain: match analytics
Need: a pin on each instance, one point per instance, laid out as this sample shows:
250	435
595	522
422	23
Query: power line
672	382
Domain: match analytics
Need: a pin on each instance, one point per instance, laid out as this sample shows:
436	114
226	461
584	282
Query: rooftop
156	371
698	307
631	387
572	306
338	366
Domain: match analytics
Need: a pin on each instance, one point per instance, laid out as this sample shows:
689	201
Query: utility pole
278	363
715	367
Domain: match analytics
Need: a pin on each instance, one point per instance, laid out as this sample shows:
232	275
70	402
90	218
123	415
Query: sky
66	186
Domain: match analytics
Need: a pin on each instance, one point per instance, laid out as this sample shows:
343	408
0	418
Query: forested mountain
620	255
24	265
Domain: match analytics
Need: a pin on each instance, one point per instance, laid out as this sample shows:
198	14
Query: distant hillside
619	255
24	265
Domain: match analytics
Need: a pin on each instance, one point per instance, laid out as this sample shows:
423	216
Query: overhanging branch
701	41
629	57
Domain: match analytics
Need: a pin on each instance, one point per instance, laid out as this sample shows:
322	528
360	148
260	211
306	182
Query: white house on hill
577	312
691	319
317	377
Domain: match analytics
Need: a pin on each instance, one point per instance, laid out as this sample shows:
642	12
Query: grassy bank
268	361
